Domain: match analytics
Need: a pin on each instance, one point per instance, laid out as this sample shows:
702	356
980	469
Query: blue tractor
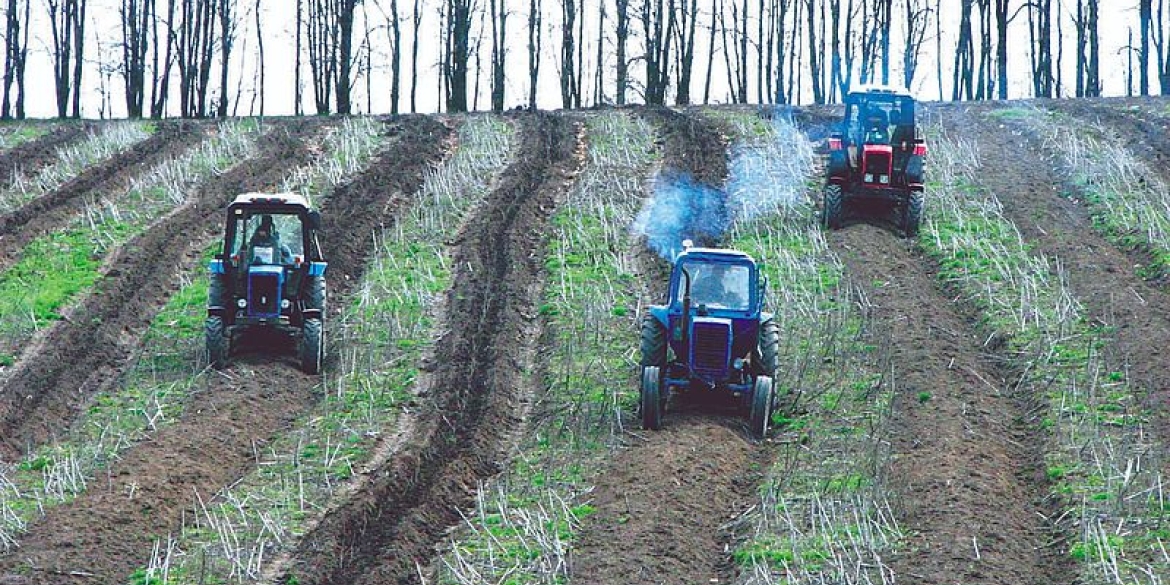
270	275
711	337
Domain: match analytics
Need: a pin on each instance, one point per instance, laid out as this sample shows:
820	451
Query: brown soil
663	503
109	530
967	472
56	209
1029	183
32	156
469	413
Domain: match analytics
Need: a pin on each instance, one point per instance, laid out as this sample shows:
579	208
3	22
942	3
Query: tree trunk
458	51
345	56
622	34
534	42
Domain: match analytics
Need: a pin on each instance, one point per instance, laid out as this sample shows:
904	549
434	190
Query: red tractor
877	157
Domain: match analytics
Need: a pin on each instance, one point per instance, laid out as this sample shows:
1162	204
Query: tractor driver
877	126
266	243
722	286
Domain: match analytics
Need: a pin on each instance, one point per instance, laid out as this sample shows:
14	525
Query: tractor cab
270	273
876	155
712	336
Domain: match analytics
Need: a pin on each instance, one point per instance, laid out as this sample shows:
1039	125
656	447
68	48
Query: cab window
719	286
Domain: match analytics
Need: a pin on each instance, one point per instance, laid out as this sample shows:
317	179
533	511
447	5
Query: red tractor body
876	156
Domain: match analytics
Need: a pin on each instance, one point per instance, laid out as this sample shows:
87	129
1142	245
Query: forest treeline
765	51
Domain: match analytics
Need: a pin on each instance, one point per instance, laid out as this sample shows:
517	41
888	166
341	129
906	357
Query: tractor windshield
881	121
719	286
268	238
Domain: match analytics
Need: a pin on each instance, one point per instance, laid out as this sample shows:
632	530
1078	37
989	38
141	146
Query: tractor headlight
242	303
739	363
885	179
284	304
869	177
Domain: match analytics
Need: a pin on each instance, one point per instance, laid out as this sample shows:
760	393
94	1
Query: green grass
388	327
54	269
823	510
17	133
1097	454
524	520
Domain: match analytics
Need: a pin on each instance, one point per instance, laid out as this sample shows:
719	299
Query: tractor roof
290	199
717	254
879	90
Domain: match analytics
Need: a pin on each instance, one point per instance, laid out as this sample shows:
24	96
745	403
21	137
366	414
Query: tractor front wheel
769	349
218	344
312	346
913	215
762	403
832	207
650	400
653	342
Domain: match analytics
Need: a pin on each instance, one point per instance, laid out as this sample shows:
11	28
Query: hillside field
986	403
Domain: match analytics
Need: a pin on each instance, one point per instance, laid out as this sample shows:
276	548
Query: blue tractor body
711	336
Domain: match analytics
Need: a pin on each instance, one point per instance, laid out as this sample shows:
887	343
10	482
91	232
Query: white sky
278	23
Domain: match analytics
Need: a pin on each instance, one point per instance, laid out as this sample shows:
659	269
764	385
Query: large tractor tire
653	342
769	349
651	403
218	343
216	293
912	216
833	205
315	294
312	345
762	406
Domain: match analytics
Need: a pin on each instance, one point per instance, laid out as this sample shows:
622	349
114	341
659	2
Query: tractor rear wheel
312	345
650	399
218	344
762	404
834	201
913	215
769	349
653	342
315	294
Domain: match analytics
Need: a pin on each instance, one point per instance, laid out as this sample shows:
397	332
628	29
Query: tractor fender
914	170
838	165
311	314
766	317
662	314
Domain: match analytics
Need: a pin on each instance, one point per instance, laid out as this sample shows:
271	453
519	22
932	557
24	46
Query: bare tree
322	36
534	42
67	23
499	17
688	17
1145	16
568	52
16	37
260	47
416	24
621	37
344	66
136	17
456	53
917	21
227	36
658	28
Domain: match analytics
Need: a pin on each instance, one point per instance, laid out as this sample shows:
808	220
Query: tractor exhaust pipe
686	307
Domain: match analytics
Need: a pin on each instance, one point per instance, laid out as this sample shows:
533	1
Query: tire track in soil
89	350
663	503
56	209
469	414
1029	184
109	534
968	478
32	156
